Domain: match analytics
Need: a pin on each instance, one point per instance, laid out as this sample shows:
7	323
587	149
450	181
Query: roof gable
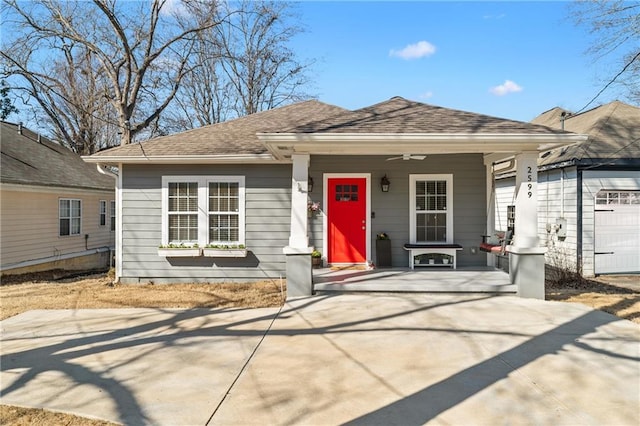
399	115
238	136
28	159
613	129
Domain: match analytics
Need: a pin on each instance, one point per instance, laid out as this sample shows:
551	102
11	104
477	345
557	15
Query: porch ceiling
283	145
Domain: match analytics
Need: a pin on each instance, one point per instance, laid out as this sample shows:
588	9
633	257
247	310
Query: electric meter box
561	227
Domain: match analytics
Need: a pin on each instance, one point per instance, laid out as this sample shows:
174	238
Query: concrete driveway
404	359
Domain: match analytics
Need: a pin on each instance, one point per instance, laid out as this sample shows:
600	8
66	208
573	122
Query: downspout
561	192
103	171
118	188
579	227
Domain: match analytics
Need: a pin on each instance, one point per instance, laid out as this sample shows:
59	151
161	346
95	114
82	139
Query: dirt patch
97	292
19	416
617	295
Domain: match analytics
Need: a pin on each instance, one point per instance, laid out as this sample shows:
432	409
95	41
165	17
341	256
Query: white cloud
426	95
500	16
414	51
173	7
505	88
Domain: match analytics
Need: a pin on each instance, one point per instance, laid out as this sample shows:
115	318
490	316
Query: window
203	210
183	212
103	213
346	192
431	209
112	210
224	212
70	212
618	197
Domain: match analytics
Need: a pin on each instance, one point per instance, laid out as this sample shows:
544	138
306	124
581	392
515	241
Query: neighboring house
56	211
249	182
588	193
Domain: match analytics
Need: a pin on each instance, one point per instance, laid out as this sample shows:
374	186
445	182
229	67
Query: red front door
347	230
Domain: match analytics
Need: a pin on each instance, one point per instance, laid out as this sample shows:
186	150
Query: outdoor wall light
310	184
384	183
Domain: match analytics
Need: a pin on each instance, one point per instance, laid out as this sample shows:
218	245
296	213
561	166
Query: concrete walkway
429	280
353	358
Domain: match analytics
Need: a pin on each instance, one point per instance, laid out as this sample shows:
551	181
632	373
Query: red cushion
491	248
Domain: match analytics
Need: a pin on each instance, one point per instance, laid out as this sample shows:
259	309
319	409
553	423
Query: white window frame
413	211
241	207
102	213
203	205
70	217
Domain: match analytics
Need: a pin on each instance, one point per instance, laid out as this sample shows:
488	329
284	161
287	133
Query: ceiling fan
408	157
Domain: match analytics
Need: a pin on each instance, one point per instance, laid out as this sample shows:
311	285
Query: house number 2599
529	179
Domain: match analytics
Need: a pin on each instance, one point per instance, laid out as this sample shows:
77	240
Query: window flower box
172	250
225	251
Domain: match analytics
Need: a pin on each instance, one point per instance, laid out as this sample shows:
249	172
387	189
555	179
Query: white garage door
617	232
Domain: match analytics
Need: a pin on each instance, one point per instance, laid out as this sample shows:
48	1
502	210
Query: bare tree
264	73
204	97
242	66
72	100
615	26
138	54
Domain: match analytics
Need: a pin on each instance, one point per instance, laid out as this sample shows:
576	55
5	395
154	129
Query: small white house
56	211
588	193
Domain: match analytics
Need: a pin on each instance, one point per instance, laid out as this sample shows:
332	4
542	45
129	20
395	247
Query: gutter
181	159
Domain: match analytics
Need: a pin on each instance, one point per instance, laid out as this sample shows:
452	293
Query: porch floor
461	280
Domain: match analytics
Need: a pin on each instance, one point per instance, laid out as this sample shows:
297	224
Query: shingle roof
396	116
237	136
27	161
399	115
613	129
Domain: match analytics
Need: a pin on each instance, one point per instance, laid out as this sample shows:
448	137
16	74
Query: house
588	193
56	211
249	184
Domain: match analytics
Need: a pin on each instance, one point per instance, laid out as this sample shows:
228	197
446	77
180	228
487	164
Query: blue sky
507	59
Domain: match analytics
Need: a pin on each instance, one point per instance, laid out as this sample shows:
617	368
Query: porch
462	280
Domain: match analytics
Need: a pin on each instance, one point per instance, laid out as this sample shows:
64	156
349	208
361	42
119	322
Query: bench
416	249
499	244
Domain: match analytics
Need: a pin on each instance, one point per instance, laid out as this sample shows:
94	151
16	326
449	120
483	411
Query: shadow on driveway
357	359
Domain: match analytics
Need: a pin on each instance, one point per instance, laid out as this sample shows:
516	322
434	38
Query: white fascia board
181	159
379	143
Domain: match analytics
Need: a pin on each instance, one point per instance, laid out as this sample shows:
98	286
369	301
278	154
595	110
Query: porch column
526	257
491	207
298	252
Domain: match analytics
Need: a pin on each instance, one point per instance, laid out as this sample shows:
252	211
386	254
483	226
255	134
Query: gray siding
268	190
391	209
268	210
